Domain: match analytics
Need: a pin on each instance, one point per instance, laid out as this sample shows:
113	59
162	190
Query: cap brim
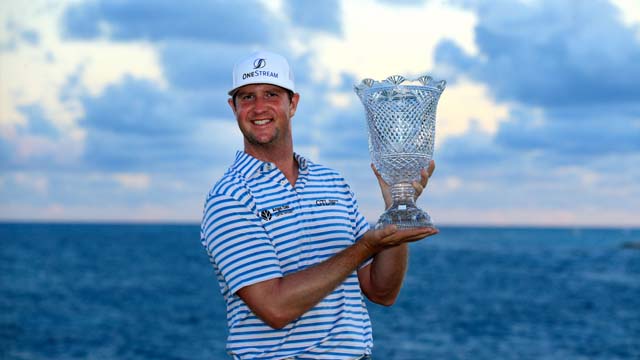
233	91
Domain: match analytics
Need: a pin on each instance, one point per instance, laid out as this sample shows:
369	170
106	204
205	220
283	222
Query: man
292	253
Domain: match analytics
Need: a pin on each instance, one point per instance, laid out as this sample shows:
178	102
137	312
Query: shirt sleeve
361	225
237	243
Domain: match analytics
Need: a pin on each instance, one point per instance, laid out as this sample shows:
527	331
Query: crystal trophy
401	121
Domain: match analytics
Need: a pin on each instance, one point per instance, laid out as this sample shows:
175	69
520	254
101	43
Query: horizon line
197	223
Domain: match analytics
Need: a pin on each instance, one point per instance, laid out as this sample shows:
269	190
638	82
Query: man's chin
263	141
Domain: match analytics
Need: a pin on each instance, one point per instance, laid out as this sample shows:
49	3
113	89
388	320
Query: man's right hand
390	236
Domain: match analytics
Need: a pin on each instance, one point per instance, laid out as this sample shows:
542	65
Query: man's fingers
391	236
425	174
421	235
378	175
418	187
375	171
388	231
409	235
417	232
424	177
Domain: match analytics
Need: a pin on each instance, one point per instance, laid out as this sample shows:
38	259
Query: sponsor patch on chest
326	202
268	214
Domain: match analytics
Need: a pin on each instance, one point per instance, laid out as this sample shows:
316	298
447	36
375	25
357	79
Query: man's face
264	113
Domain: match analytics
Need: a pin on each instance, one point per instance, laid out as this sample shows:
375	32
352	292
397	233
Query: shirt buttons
266	167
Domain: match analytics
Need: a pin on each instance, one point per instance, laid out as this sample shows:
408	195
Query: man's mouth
261	121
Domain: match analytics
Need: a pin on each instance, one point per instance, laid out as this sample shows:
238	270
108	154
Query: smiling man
291	251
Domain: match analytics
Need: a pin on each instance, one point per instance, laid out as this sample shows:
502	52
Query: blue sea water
82	291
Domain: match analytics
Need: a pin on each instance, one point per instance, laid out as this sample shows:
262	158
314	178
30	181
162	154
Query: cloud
136	125
341	136
31	182
15	34
404	2
475	173
449	54
567	71
31	37
316	15
381	39
135	181
37	144
157	21
103	196
126	104
575	134
551	53
37	122
137	107
479	108
198	67
471	148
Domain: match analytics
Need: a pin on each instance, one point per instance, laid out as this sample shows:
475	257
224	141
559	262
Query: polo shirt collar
302	161
247	165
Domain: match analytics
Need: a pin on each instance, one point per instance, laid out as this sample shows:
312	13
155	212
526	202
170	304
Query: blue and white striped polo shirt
257	226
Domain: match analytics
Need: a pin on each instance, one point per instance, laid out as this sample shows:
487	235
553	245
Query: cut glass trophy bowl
401	121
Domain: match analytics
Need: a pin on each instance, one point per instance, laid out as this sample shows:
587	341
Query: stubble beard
253	140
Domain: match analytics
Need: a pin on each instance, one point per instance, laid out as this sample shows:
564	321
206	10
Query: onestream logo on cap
262	68
259	64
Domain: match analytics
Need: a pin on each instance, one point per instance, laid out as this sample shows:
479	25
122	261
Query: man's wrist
367	245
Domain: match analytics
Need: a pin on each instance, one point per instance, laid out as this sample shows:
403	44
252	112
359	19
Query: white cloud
340	100
107	63
629	10
588	217
380	40
464	103
582	176
66	150
451	183
39	74
29	147
133	181
34	182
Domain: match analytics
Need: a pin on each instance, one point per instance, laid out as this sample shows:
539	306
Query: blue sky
116	110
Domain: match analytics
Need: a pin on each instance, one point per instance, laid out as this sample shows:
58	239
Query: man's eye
246	97
271	94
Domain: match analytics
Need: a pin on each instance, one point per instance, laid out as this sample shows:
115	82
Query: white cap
262	67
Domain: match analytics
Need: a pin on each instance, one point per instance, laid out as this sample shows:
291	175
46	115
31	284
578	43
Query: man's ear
232	104
293	105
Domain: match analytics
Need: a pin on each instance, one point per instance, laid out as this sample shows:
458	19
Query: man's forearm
382	280
280	301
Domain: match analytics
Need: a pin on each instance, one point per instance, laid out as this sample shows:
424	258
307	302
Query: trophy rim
423	82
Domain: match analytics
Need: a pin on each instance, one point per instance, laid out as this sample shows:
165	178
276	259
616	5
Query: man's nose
259	104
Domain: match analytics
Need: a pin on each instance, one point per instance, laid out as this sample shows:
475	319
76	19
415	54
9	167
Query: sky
116	111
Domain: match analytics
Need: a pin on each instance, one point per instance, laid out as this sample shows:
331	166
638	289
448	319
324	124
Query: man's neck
281	156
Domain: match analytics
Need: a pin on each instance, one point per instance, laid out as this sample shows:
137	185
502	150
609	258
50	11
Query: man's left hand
419	186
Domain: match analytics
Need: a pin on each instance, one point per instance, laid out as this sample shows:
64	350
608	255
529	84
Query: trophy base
404	217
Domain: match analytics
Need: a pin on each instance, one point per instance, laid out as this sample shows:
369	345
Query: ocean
103	291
